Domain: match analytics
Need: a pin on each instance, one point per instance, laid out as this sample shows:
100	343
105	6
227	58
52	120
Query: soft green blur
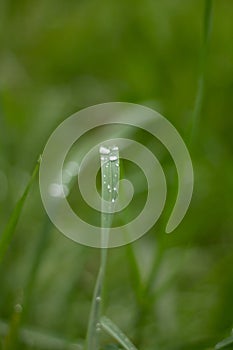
57	57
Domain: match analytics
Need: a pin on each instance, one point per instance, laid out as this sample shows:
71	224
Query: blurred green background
57	57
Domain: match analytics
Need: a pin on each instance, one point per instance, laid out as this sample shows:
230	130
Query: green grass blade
208	16
113	330
109	184
225	343
8	232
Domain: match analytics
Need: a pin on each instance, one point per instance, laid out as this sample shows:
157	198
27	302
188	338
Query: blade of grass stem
109	184
225	343
208	15
110	328
9	230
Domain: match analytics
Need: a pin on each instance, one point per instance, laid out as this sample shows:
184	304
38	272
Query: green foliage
56	57
7	234
109	327
225	343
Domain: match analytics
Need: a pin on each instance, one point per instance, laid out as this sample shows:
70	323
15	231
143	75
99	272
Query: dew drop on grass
104	150
98	327
112	158
98	299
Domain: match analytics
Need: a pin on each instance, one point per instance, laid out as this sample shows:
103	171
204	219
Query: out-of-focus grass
58	57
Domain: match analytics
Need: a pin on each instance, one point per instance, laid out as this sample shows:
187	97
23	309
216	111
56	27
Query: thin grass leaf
109	179
208	16
113	330
8	232
225	343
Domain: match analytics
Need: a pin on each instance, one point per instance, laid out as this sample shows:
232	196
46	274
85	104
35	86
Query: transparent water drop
109	186
98	327
98	299
104	150
112	158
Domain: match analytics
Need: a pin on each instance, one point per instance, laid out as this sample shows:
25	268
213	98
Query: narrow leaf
109	158
7	234
225	343
113	330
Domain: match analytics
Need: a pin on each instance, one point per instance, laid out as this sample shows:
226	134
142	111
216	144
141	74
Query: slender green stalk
113	330
225	343
109	184
8	232
208	16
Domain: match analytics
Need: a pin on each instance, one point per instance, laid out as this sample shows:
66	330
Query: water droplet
112	158
115	189
109	186
104	150
117	164
104	175
115	148
98	327
104	182
113	200
98	299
